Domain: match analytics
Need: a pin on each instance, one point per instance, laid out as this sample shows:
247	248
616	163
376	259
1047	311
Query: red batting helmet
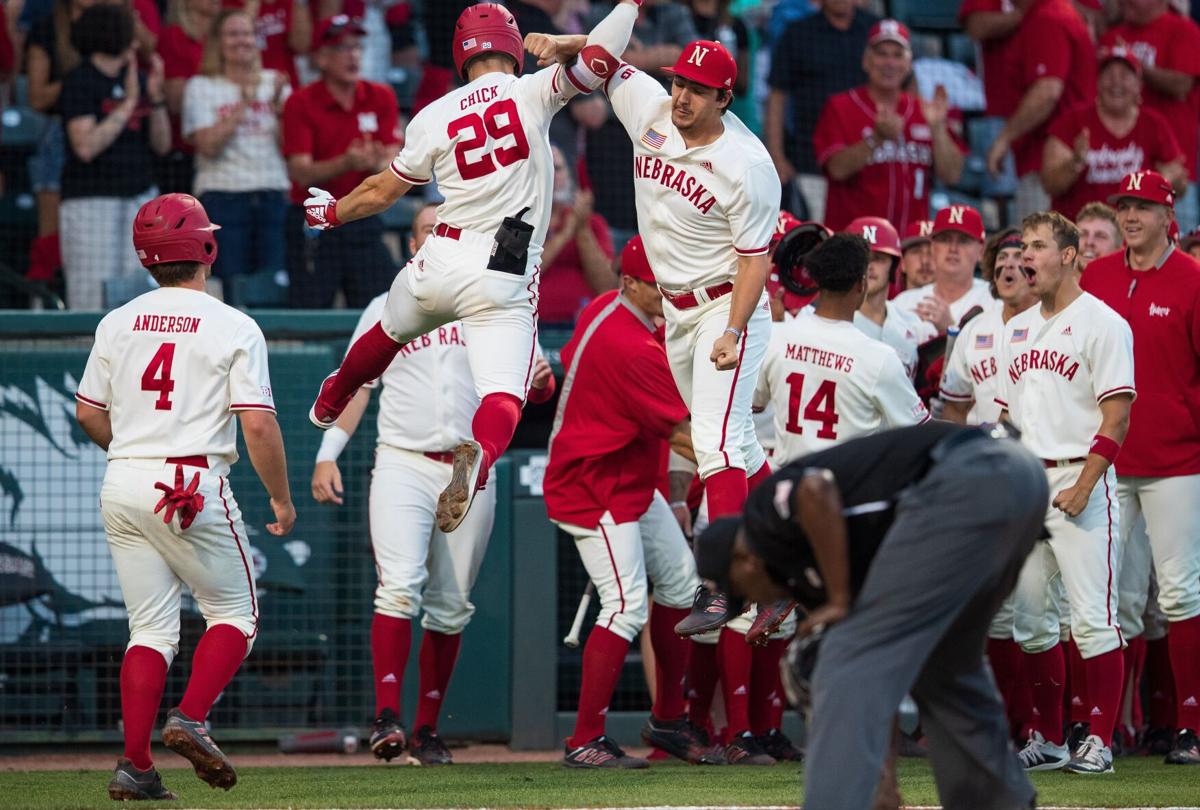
881	236
174	228
486	28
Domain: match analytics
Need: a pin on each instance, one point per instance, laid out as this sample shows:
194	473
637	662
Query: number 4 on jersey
819	409
157	376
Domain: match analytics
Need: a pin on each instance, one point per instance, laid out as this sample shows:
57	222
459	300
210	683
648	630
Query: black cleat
387	736
130	784
1158	741
600	753
190	740
777	744
710	610
1186	750
682	740
746	750
427	748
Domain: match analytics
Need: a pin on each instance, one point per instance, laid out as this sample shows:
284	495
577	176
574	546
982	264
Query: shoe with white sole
1092	756
1040	755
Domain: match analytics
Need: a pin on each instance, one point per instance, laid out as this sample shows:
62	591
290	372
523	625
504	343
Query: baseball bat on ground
572	638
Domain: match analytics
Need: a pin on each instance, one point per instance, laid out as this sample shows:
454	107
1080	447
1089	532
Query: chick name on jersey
820	357
479	96
654	168
446	336
166	323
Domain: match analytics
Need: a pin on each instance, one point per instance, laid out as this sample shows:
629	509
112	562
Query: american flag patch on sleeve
653	138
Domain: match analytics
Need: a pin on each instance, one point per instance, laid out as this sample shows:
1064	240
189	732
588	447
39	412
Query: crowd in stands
867	107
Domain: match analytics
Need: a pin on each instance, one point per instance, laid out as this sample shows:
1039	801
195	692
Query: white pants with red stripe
448	280
720	401
1160	520
619	556
418	565
1086	552
154	559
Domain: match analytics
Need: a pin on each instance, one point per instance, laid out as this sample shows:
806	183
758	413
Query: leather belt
190	461
446	456
448	231
688	300
1053	463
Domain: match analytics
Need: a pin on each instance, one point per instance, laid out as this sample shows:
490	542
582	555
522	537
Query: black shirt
531	20
870	472
811	62
45	37
123	169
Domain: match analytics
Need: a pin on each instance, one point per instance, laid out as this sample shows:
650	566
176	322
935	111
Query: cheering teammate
877	317
167	373
486	144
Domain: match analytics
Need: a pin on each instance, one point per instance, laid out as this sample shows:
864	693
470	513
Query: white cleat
1092	756
455	500
1040	755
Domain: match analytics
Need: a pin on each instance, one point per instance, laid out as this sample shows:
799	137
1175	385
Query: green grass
1138	783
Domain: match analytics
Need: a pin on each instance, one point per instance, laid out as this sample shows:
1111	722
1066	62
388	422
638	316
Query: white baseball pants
618	558
154	559
418	565
1170	533
720	401
448	280
1086	552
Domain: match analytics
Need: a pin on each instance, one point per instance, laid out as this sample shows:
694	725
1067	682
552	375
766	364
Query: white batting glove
320	210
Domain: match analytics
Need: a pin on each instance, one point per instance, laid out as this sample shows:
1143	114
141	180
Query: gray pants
919	626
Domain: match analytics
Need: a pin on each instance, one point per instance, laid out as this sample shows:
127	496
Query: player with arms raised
486	144
167	374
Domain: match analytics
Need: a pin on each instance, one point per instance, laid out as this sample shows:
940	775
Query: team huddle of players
663	378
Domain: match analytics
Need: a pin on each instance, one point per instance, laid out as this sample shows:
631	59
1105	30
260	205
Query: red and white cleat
324	412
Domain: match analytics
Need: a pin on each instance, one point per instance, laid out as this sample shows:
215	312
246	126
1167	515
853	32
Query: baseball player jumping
486	144
1066	380
425	409
167	374
1156	288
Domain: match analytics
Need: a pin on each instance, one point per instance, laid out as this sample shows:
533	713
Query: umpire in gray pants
901	546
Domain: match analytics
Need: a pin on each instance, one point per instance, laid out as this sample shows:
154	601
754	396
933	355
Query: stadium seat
980	134
123	289
21	126
254	290
936	15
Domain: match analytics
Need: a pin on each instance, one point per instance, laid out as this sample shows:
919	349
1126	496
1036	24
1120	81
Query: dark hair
1066	235
103	29
991	251
172	274
838	263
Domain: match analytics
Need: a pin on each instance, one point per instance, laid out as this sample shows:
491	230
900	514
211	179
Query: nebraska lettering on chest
918	153
442	336
1058	362
648	167
819	357
985	369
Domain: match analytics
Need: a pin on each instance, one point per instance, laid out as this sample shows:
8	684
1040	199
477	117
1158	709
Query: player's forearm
97	424
818	511
264	443
160	131
748	287
612	33
1060	168
681	442
1114	426
947	159
848	162
374	195
1173	83
1035	108
597	268
352	416
955	411
678	484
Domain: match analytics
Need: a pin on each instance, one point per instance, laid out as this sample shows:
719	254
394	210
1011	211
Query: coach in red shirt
1090	149
338	131
880	146
1052	67
607	457
1156	287
1168	46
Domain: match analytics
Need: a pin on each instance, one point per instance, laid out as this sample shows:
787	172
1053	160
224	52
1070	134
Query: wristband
331	215
1105	447
332	444
737	333
678	504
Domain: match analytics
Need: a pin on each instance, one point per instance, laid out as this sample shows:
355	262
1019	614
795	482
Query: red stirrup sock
726	492
218	655
391	640
1105	677
603	659
1184	640
439	654
735	660
671	657
143	675
1047	672
493	427
367	359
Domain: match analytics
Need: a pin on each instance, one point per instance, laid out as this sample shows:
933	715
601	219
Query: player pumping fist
487	146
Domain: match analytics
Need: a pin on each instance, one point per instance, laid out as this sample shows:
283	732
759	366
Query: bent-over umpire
903	544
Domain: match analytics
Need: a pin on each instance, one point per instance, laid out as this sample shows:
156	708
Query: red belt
688	300
448	231
1050	463
190	461
446	456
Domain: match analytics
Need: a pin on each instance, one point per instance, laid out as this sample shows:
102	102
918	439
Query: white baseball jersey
979	295
1054	372
898	330
698	209
829	382
488	145
172	367
974	366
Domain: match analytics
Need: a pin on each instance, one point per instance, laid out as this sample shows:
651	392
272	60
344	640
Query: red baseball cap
1147	185
916	233
783	224
706	62
634	262
889	31
334	28
961	218
1119	53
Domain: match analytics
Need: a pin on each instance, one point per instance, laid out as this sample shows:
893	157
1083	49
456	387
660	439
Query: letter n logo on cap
926	227
1135	181
869	233
956	214
697	57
